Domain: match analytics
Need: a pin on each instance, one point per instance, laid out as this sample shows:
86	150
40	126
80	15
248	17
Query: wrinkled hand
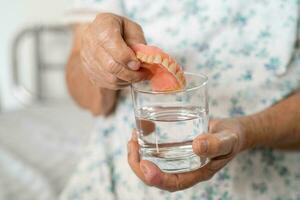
105	53
224	140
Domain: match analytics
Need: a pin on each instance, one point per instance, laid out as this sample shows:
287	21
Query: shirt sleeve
85	11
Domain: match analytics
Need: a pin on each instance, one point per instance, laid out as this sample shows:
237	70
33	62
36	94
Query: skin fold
101	63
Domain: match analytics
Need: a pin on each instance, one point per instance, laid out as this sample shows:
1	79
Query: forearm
99	101
276	127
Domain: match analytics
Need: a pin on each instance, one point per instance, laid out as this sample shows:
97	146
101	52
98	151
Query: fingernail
203	146
134	65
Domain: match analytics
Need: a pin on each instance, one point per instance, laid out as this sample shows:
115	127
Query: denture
166	74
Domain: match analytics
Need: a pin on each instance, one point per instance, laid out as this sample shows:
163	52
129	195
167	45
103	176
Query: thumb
216	144
133	33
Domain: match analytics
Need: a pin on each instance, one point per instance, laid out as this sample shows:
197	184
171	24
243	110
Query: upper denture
159	62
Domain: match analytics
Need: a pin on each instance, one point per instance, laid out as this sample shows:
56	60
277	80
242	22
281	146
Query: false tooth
139	55
179	75
180	78
178	69
172	68
150	59
165	63
144	58
157	59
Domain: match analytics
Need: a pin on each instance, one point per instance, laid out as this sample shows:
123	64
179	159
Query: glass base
179	164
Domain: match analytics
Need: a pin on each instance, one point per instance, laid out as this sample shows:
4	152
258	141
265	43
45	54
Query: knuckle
107	20
138	26
113	67
236	144
104	37
140	30
214	124
235	139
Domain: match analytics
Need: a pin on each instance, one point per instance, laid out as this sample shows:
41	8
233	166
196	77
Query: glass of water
167	123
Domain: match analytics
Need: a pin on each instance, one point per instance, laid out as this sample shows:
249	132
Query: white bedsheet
39	149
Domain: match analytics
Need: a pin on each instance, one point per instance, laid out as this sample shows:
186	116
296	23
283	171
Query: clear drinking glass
167	123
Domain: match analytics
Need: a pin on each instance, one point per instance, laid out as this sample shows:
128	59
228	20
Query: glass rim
204	83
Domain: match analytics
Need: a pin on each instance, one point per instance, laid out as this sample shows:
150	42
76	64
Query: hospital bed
45	137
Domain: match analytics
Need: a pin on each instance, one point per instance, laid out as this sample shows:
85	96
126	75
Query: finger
212	125
133	33
133	156
174	182
112	80
111	39
111	66
105	81
213	145
90	65
106	77
99	77
147	126
108	85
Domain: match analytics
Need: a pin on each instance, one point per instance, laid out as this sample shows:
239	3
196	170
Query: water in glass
166	135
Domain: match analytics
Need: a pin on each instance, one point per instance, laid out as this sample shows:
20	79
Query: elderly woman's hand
225	139
107	58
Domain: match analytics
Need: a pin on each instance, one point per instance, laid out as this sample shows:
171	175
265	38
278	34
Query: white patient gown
248	49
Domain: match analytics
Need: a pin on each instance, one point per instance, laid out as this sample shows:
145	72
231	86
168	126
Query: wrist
249	131
108	101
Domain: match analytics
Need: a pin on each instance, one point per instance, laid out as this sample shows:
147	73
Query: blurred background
42	132
16	16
